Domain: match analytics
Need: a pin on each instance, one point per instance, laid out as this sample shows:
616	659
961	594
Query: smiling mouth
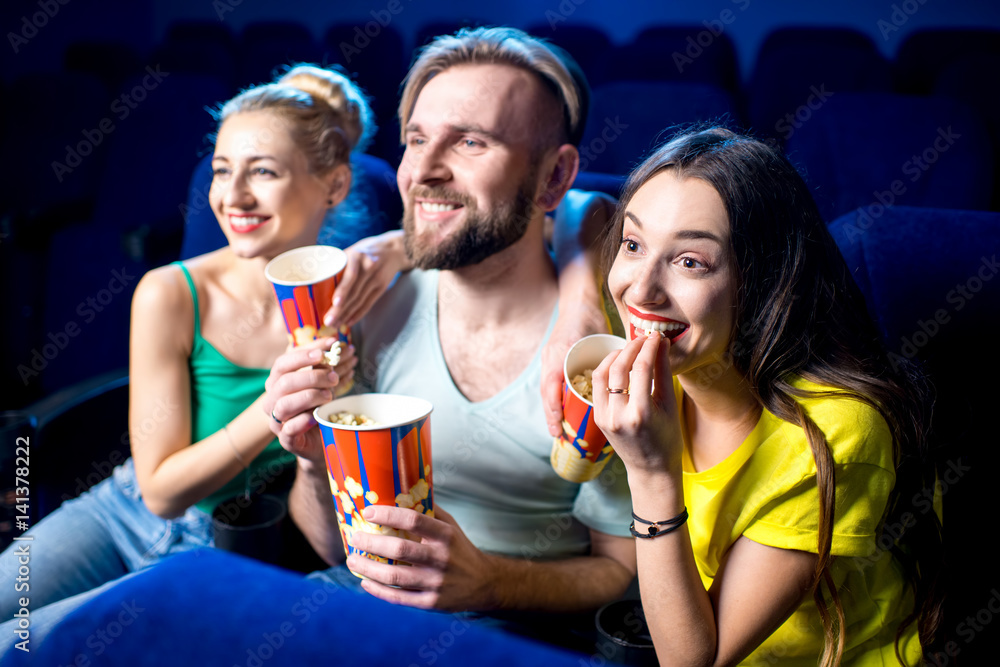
246	223
437	207
669	328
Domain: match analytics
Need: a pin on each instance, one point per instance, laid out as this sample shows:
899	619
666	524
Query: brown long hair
799	313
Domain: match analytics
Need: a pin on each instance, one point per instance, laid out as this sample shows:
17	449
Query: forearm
677	607
580	294
195	472
313	510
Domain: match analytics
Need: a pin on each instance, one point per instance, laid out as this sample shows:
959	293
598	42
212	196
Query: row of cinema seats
101	182
929	276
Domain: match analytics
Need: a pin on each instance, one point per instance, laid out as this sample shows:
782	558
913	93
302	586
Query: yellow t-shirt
766	490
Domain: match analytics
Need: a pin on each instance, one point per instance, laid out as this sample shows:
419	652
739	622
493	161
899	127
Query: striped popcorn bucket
581	451
387	462
304	280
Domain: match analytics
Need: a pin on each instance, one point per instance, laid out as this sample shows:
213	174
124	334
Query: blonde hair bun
338	91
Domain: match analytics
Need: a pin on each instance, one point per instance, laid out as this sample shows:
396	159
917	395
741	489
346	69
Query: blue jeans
89	541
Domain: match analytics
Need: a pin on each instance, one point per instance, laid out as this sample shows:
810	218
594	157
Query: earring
329	202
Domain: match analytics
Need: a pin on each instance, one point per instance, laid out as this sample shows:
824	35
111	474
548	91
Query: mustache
438	192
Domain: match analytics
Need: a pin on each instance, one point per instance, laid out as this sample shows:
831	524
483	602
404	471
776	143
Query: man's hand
372	263
574	322
447	572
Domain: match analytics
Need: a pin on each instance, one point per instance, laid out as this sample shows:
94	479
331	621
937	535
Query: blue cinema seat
931	278
695	53
265	46
629	118
798	66
879	149
210	607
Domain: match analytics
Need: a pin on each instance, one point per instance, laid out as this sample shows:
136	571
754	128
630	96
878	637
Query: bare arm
311	506
293	389
372	264
757	587
579	220
173	473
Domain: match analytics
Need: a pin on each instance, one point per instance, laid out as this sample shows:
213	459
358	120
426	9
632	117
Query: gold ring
617	391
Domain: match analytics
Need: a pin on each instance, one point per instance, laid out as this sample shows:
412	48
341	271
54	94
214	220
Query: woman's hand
642	424
372	263
299	382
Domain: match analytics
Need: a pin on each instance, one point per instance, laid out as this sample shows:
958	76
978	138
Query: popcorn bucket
304	280
581	451
385	462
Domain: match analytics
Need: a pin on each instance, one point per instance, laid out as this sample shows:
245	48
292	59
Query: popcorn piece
346	503
325	331
371	497
583	384
353	487
304	334
405	500
351	419
420	490
332	356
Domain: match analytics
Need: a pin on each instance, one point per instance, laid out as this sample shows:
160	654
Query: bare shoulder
162	289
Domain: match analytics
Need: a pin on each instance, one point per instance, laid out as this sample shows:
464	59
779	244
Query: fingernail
336	301
315	355
328	320
333	375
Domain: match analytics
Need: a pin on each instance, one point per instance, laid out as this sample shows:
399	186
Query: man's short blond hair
497	46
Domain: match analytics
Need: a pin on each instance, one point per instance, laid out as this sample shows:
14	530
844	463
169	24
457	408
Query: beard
483	234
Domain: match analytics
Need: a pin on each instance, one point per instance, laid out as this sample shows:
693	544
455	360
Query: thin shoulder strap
194	297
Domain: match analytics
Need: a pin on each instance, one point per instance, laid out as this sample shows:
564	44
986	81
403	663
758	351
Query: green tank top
220	390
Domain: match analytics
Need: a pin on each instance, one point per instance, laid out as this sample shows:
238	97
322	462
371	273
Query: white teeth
650	326
432	207
247	221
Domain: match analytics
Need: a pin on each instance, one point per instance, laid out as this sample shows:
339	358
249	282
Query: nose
649	288
236	191
427	163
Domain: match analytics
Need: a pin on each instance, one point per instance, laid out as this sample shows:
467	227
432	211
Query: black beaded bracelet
657	528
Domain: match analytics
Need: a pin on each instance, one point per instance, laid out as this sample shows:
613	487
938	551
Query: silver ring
275	418
614	391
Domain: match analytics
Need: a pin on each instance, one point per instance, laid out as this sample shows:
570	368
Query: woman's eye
261	171
690	263
220	171
630	245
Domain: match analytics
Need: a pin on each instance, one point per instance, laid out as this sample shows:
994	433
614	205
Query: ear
338	183
561	168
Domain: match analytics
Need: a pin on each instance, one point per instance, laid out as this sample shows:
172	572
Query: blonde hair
329	114
497	46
